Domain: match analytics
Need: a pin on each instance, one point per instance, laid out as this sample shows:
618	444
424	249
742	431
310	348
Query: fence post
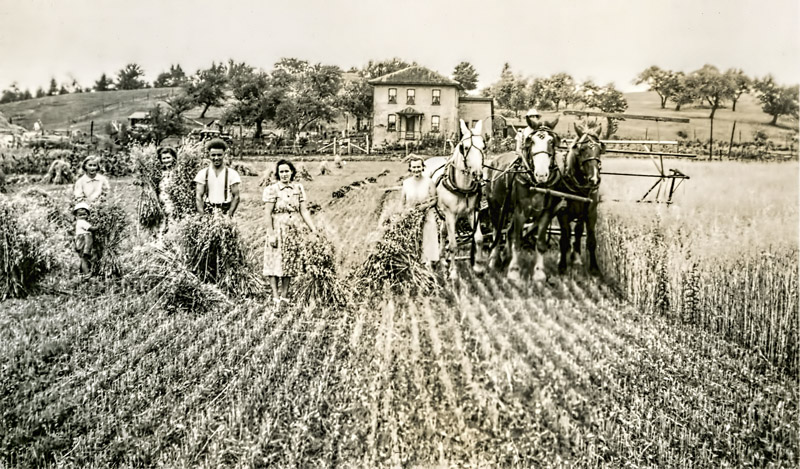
366	141
334	146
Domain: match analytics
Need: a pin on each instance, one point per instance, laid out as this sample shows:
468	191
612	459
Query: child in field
83	237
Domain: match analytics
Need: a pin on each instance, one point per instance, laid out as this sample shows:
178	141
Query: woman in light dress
167	156
419	191
286	207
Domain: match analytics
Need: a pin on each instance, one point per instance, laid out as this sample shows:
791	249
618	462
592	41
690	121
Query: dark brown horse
511	194
581	176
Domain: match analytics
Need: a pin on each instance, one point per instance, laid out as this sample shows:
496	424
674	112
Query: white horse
458	186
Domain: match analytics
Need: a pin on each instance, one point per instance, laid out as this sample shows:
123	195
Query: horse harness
569	177
447	178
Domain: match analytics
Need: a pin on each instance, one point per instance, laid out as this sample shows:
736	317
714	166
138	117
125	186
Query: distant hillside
78	110
748	116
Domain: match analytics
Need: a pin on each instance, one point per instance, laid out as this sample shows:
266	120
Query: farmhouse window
392	123
436	99
434	123
392	95
410	96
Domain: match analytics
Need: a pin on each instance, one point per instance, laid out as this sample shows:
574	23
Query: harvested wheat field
683	354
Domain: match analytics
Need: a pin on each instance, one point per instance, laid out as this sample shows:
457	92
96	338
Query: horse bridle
593	142
548	151
464	153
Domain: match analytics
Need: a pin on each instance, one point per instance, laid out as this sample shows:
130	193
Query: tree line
297	93
708	85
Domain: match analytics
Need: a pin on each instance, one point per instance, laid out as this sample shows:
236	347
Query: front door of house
410	127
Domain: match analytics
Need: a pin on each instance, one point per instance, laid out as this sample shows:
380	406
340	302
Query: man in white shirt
217	187
89	187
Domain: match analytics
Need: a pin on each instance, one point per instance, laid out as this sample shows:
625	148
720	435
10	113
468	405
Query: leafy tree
511	92
741	84
375	69
25	95
63	90
683	91
712	86
255	99
207	87
661	81
561	88
130	78
777	100
588	93
181	103
103	84
236	69
170	79
162	123
40	92
53	90
305	92
609	99
356	98
466	75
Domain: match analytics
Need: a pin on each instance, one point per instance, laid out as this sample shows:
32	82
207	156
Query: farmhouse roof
415	75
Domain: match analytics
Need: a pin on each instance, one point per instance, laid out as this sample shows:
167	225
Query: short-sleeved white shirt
82	227
216	184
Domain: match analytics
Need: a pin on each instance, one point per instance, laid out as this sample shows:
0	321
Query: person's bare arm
234	199
198	197
306	216
271	235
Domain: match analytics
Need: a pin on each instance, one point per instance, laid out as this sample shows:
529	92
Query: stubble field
633	369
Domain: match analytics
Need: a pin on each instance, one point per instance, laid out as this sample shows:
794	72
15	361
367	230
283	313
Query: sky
603	40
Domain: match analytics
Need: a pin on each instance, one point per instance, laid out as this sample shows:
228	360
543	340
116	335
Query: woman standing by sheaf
286	209
167	156
419	192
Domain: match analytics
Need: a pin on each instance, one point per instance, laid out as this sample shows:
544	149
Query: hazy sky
606	40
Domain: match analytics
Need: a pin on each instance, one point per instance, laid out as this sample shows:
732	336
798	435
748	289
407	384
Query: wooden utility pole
730	145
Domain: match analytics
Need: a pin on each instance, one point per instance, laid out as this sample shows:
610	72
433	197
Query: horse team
522	192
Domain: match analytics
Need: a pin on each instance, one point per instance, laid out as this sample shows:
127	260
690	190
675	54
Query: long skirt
430	237
277	261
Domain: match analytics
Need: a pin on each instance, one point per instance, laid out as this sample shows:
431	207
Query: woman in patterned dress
286	209
167	156
419	191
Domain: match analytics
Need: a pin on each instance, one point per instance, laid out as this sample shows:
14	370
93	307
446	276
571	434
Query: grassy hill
78	110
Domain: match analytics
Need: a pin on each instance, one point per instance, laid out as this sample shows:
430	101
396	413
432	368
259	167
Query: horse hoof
576	260
453	274
562	268
539	276
478	269
513	275
595	271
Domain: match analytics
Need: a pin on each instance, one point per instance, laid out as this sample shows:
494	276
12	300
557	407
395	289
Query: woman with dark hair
286	208
167	157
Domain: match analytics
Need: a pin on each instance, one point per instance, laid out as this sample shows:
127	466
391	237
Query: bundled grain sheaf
215	253
59	172
159	271
110	223
182	190
148	176
24	259
313	258
395	259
